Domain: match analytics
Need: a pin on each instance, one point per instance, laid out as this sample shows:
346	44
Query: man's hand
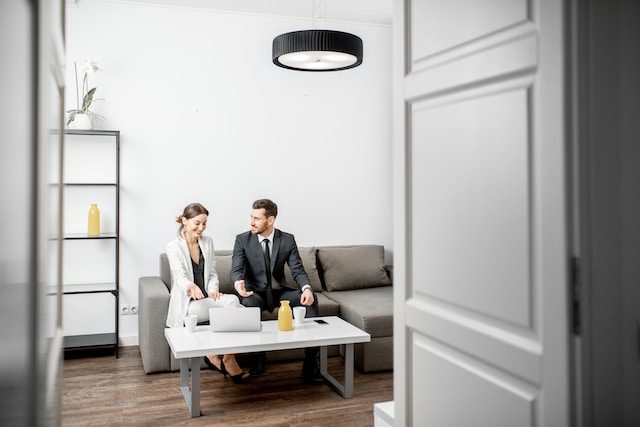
242	291
307	297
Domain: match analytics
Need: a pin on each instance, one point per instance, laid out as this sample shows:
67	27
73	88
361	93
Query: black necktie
267	261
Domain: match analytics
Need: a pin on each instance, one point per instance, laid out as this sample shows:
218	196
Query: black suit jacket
248	261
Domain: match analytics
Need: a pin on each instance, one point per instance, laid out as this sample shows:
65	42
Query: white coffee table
190	348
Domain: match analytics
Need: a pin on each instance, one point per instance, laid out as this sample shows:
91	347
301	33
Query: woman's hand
194	292
215	295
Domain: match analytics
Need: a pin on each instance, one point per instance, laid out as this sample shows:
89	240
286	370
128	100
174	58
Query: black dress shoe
259	365
311	370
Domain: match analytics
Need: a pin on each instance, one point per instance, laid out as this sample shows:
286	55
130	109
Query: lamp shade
317	50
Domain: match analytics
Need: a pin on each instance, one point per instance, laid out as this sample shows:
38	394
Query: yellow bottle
94	221
285	316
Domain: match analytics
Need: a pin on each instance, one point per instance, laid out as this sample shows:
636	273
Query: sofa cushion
369	309
308	257
353	267
326	307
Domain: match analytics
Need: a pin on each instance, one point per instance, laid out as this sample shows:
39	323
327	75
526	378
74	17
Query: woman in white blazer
194	282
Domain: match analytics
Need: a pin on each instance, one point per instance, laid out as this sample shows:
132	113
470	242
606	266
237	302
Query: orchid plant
89	67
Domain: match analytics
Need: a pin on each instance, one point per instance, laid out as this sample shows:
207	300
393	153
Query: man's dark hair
270	208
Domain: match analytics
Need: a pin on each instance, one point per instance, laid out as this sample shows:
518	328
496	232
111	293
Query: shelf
84	184
83	236
75	341
85	288
91	132
91	175
90	184
89	288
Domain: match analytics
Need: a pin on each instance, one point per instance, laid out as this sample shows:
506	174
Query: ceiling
361	11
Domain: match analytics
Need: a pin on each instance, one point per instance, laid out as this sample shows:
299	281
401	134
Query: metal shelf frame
100	339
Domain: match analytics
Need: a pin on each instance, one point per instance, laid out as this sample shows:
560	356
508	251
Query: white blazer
182	276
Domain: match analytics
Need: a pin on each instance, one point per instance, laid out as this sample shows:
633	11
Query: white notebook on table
234	319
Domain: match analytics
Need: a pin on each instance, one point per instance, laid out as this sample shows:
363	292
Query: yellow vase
285	316
94	221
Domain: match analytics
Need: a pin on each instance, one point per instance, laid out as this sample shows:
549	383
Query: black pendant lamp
317	50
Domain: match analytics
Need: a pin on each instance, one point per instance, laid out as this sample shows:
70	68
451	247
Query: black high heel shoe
238	378
214	367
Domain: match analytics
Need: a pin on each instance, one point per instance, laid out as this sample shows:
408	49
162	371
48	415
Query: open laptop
234	319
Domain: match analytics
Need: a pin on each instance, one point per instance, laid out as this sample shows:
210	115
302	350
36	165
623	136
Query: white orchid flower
87	94
90	66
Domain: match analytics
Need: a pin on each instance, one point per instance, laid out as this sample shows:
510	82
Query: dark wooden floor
101	390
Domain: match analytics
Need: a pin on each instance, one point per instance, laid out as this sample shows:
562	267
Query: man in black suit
257	272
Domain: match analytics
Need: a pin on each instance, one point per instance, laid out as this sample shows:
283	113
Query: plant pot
81	121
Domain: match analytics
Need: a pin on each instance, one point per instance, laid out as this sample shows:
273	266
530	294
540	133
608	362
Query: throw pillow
354	267
223	268
308	257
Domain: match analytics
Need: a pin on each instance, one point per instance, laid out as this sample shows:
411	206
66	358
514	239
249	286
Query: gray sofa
349	281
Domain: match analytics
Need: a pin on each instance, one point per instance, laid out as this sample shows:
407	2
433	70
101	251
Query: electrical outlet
125	309
133	309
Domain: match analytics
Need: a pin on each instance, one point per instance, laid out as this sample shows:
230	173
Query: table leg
346	389
191	396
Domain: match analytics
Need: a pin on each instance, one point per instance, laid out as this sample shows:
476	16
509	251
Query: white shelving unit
91	264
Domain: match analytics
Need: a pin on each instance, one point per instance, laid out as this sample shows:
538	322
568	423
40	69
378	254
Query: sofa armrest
153	304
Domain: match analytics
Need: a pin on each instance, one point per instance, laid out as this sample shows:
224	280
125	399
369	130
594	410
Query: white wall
202	110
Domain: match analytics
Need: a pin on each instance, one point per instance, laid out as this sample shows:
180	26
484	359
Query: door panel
458	22
481	250
506	401
471	194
